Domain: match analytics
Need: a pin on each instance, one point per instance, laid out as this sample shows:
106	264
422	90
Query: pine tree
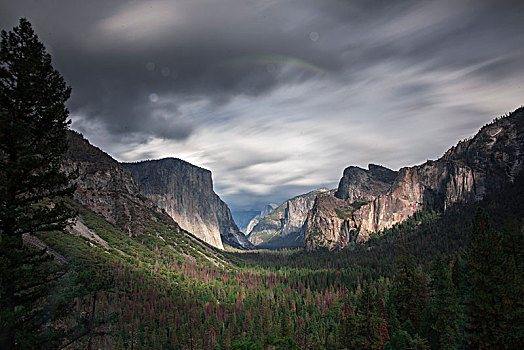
371	327
444	307
348	331
409	291
495	308
33	124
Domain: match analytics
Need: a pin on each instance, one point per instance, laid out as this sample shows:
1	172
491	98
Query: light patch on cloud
140	21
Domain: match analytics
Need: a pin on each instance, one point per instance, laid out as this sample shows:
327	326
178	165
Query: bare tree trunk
326	332
305	334
91	323
132	333
191	337
7	332
7	338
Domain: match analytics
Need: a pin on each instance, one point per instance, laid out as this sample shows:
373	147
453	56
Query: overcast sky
276	98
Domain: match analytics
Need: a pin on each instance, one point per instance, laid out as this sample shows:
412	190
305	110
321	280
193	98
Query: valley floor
402	289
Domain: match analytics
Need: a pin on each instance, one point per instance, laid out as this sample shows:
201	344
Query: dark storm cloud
279	96
117	57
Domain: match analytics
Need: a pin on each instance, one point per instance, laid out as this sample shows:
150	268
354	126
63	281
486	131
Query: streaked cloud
278	97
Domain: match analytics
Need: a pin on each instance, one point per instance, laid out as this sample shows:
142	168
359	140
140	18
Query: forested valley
438	281
131	278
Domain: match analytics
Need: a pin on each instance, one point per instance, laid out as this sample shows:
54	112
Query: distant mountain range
132	195
262	214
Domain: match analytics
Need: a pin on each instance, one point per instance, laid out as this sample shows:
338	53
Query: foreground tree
444	308
495	312
409	294
33	125
409	290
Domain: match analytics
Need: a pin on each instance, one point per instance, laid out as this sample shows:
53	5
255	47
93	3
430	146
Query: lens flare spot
150	66
165	71
314	36
153	98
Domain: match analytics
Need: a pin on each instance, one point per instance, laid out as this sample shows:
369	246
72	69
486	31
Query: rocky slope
186	193
286	220
106	188
465	173
263	213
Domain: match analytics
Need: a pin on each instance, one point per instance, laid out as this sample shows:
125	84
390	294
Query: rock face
327	223
285	221
465	173
263	213
186	193
358	184
108	189
330	222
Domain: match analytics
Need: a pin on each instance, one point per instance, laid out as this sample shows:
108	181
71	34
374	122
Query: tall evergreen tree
348	331
33	124
369	324
409	290
444	309
494	307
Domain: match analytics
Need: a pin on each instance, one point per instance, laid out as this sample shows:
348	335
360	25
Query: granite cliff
366	203
109	190
186	193
330	222
284	225
362	185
